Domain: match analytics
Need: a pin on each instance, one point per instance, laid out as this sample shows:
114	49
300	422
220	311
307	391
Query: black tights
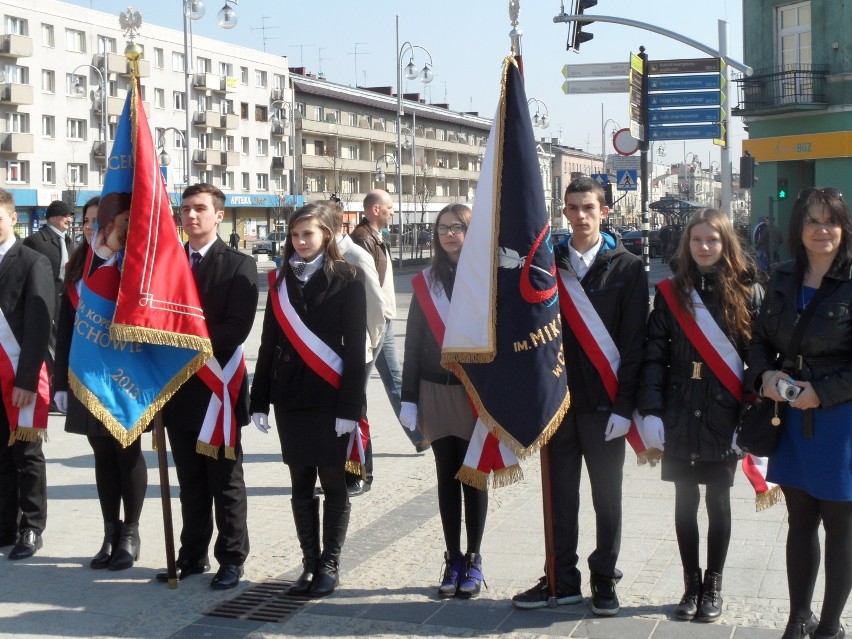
121	475
717	498
449	457
303	480
804	513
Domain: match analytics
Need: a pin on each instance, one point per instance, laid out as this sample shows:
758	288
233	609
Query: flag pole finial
516	33
130	22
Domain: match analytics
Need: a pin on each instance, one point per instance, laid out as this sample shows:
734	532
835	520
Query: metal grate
267	601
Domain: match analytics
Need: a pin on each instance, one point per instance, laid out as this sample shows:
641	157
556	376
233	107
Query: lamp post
616	127
195	10
278	122
100	96
164	157
380	174
411	72
539	119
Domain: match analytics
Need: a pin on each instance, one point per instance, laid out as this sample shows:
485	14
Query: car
270	245
632	241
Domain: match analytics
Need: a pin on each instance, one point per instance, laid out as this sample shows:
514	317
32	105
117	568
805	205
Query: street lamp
99	96
282	114
616	127
539	119
425	74
164	157
380	174
195	10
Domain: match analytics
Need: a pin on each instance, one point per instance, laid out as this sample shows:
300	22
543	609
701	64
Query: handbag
758	427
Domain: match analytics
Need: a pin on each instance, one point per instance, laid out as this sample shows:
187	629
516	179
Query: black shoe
357	487
228	576
536	597
840	634
710	606
688	606
27	545
604	599
185	568
801	629
128	548
111	532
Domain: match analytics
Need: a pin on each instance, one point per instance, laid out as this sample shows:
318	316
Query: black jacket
617	286
699	415
827	342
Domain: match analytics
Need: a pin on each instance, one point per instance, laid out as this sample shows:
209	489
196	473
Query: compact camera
788	390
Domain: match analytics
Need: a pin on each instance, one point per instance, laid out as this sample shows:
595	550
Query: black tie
195	258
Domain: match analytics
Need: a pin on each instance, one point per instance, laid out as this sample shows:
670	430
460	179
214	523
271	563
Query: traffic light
748	166
579	36
608	194
782	188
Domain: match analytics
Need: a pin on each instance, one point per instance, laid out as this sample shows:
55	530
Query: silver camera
788	390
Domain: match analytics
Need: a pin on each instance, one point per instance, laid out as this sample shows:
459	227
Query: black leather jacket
826	346
699	415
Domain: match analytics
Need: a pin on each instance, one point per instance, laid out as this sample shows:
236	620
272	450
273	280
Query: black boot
800	629
335	522
101	560
711	598
306	517
127	549
688	606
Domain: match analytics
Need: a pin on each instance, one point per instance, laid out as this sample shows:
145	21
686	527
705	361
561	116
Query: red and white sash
220	422
485	453
722	358
30	422
600	348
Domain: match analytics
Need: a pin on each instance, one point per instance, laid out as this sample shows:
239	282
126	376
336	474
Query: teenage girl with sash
310	368
435	400
690	390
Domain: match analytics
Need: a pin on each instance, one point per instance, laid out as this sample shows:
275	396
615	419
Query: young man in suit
26	300
227	286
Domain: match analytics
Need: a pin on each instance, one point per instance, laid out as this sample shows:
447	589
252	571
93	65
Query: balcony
229	121
209	119
279	129
204	156
794	87
208	82
13	143
16	93
119	65
99	150
282	163
15	46
230	158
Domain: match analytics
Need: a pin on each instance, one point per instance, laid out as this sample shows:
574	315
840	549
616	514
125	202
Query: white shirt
581	262
63	247
202	251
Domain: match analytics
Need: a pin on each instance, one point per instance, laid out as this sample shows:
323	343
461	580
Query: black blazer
27	299
227	285
48	243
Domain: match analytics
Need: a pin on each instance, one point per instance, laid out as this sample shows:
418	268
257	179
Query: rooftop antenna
301	48
264	29
320	74
356	53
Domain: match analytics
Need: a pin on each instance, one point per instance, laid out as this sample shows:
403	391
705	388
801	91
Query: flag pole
165	497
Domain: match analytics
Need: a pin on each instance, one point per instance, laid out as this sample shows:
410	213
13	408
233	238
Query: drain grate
267	601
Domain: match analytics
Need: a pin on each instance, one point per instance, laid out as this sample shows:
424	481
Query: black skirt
709	472
308	438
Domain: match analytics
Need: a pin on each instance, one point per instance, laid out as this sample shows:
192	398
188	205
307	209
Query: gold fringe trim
507	476
355	468
27	434
472	477
650	456
203	448
157	337
230	454
768	499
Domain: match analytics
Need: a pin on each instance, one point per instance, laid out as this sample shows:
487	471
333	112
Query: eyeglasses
830	191
455	229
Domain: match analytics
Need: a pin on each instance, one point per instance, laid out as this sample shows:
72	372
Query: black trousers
23	484
579	438
210	486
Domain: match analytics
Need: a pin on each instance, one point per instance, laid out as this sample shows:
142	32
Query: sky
467	40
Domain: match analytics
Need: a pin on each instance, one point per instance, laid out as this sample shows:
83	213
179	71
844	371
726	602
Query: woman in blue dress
813	461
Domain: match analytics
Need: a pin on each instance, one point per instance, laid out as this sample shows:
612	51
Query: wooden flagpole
165	497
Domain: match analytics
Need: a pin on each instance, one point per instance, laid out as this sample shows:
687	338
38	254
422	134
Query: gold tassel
353	467
203	448
473	477
507	476
27	434
650	456
768	499
230	454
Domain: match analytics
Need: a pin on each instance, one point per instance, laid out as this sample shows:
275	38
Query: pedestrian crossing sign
626	180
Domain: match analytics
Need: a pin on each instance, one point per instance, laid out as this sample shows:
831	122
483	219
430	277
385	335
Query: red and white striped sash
485	453
220	422
30	422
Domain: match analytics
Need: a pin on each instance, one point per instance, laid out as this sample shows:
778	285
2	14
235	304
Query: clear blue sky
467	40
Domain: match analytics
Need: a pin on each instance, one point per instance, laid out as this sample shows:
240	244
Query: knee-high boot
306	517
335	522
111	530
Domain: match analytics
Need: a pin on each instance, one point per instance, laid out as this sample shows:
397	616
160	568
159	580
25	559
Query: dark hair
203	187
77	259
586	185
734	271
321	212
112	205
838	213
443	271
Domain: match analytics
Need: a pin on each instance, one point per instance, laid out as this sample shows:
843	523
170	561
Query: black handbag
758	427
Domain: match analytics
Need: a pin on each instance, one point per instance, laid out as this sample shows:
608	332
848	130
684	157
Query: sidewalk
392	559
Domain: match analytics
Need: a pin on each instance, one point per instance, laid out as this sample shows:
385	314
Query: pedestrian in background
434	400
810	295
768	244
234	239
697	337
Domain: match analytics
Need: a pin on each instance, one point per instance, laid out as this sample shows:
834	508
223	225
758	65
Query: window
279	148
349	185
262	146
16	26
279	182
48	81
178	62
353	119
205	65
350	151
243	75
227	180
105	44
178	101
204	177
226	69
794	34
75	41
47	37
16	74
278	81
244	108
48	126
333	116
48	172
320	113
160	98
178	140
76	174
319	147
18	122
226	107
259	78
204	141
17	171
244	146
203	103
228	143
262	182
159	58
72	81
246	181
76	129
300	108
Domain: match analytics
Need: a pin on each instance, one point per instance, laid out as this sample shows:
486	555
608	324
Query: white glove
408	415
60	398
617	426
734	447
344	426
261	421
653	432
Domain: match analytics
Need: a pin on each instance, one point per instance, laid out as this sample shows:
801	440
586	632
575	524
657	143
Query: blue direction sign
685	82
685	132
626	180
684	116
695	98
601	178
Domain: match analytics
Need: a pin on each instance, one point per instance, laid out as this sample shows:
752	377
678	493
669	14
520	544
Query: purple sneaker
453	572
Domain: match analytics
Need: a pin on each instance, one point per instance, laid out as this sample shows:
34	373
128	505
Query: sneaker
604	599
536	597
453	571
472	579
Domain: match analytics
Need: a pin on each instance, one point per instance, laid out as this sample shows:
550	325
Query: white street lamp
282	114
540	119
164	157
99	96
380	174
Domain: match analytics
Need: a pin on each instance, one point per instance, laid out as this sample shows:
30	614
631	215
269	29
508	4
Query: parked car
270	245
632	241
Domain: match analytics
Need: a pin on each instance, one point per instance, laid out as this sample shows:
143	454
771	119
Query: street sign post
678	67
685	132
637	97
600	178
624	143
